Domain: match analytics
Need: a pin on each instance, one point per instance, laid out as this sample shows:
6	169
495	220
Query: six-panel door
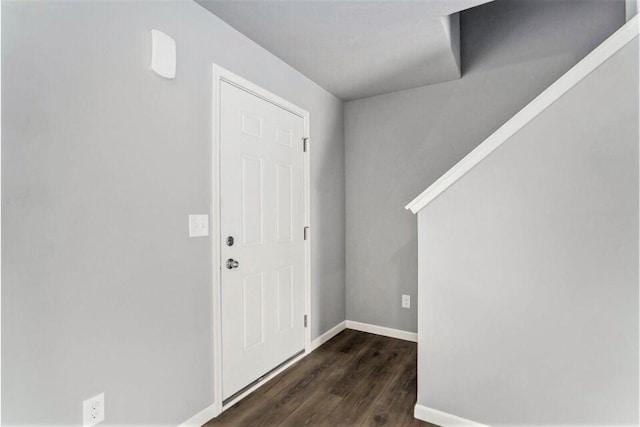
262	208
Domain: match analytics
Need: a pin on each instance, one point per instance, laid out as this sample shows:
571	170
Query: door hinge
305	321
305	143
306	233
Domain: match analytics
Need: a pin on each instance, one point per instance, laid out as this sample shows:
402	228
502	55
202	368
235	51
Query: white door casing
262	206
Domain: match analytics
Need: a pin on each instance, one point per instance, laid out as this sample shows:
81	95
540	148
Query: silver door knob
232	263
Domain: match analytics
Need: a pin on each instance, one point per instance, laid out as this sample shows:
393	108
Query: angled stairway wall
397	144
528	263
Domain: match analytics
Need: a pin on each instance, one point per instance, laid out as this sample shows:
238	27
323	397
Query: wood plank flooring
354	379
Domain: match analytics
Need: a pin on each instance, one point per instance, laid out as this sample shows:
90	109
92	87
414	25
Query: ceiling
356	48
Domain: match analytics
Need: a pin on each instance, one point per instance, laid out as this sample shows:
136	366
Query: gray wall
398	144
102	289
529	268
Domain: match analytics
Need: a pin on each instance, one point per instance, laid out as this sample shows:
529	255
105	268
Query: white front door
262	210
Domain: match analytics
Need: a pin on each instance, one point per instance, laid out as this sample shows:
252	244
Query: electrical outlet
406	301
93	410
198	225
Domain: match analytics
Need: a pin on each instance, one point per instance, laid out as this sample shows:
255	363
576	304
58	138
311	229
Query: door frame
221	75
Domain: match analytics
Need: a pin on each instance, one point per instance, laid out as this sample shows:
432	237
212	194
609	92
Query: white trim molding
382	330
614	43
442	419
328	335
202	417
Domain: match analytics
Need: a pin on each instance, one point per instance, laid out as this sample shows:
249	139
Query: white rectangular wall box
163	54
406	301
198	225
93	410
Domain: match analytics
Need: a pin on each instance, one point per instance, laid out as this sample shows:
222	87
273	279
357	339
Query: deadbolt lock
230	241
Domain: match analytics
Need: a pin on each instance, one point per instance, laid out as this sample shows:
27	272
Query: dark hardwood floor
354	379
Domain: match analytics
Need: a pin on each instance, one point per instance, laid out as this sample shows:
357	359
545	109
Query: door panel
285	298
253	310
284	202
262	207
251	192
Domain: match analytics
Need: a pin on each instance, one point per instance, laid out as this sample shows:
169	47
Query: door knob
232	263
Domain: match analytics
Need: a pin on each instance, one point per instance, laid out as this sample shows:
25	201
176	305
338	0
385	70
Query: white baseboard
442	419
328	335
381	330
202	417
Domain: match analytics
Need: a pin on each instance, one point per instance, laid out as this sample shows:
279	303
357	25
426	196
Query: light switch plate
198	225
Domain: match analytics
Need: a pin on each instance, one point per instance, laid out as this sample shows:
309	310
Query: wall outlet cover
198	225
93	410
406	301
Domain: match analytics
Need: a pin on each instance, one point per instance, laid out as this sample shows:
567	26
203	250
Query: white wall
400	143
102	289
529	268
